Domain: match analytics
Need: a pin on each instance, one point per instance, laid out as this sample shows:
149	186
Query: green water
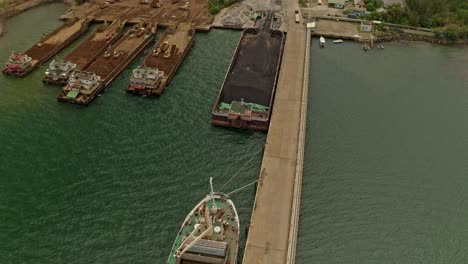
385	165
386	162
112	183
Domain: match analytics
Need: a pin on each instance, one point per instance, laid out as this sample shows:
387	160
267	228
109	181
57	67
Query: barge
83	55
162	61
209	234
18	65
96	44
51	44
109	64
81	88
246	96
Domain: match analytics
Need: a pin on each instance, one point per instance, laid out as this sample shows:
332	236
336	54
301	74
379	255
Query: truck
296	14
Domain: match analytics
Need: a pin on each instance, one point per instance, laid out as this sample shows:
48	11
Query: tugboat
18	65
322	42
145	80
82	87
209	234
58	72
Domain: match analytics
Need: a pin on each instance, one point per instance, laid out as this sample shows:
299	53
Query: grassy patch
216	5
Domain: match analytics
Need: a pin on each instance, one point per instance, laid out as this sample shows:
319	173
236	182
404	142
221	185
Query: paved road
267	242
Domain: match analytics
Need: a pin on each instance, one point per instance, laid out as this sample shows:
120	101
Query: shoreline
23	7
395	37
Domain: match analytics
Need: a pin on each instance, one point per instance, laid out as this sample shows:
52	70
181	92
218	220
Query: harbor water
113	182
386	171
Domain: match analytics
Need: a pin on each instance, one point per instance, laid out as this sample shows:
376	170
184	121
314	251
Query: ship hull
48	80
81	99
18	73
134	89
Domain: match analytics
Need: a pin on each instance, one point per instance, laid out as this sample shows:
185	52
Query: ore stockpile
252	76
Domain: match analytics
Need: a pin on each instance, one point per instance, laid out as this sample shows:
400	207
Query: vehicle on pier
81	88
18	64
209	234
58	72
145	79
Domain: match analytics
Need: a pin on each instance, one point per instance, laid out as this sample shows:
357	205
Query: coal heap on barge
246	97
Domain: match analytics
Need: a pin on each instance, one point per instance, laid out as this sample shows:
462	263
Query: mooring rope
237	173
247	185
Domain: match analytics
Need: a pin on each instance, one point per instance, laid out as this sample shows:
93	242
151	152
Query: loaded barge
246	96
108	65
83	55
161	64
47	47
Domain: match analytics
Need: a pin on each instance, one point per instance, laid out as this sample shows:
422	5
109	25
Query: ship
209	234
82	87
165	58
18	64
246	97
58	72
322	42
145	79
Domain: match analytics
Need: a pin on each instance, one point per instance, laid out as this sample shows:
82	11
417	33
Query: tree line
449	17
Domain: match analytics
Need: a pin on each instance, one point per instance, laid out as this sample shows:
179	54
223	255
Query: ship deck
232	238
182	37
252	74
54	42
129	46
96	44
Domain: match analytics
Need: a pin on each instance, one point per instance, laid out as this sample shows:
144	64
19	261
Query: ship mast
212	194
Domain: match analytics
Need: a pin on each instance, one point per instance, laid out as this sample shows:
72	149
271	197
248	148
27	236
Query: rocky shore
393	36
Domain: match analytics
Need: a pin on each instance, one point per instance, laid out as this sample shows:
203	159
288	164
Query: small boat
209	234
322	41
338	41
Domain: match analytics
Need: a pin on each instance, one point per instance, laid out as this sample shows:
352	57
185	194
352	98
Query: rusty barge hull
18	74
54	42
108	68
184	36
47	80
90	49
95	45
83	100
251	78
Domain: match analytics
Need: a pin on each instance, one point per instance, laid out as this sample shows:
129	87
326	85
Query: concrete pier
273	230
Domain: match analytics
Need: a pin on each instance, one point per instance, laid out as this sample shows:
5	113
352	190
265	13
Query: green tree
370	7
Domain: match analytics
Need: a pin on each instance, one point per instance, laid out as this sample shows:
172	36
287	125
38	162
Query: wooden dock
273	230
